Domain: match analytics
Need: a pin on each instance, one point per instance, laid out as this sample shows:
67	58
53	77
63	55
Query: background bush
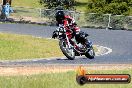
66	4
115	7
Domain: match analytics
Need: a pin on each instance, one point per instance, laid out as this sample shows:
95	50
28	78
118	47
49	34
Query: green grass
26	3
58	80
21	12
81	4
13	46
28	11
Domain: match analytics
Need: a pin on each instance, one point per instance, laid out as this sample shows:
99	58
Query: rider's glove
54	35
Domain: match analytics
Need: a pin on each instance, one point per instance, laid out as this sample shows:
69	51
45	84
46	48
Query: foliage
66	4
116	7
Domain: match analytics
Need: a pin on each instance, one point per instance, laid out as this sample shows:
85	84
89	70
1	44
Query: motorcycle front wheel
69	53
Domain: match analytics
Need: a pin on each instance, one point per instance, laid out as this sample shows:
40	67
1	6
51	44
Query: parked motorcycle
75	46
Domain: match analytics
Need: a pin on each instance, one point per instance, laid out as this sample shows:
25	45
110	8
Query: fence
84	20
27	14
93	20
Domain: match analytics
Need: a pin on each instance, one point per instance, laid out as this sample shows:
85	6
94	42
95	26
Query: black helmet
60	16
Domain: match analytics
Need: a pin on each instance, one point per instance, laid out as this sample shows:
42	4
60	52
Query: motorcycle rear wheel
90	53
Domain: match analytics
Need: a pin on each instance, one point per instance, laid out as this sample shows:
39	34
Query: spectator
6	10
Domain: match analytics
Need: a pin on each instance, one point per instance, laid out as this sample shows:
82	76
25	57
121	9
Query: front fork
70	47
68	42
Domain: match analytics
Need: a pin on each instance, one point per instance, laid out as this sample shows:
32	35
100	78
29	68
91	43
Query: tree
116	7
109	1
66	4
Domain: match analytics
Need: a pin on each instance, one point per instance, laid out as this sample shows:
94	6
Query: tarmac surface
120	41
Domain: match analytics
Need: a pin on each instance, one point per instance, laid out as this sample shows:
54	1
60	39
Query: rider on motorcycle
70	25
79	45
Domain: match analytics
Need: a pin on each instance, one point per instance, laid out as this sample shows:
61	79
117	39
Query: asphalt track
119	41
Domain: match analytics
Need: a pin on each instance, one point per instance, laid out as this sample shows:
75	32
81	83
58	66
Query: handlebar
59	32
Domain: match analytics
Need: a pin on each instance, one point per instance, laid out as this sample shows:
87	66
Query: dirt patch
29	19
8	71
29	70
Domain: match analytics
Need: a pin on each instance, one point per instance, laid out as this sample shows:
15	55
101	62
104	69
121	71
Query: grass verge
58	80
26	3
13	46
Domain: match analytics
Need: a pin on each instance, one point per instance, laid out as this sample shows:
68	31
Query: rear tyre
69	53
90	53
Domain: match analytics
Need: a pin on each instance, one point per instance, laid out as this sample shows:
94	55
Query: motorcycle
74	47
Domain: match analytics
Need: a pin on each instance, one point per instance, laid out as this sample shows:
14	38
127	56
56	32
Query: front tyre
69	53
90	53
